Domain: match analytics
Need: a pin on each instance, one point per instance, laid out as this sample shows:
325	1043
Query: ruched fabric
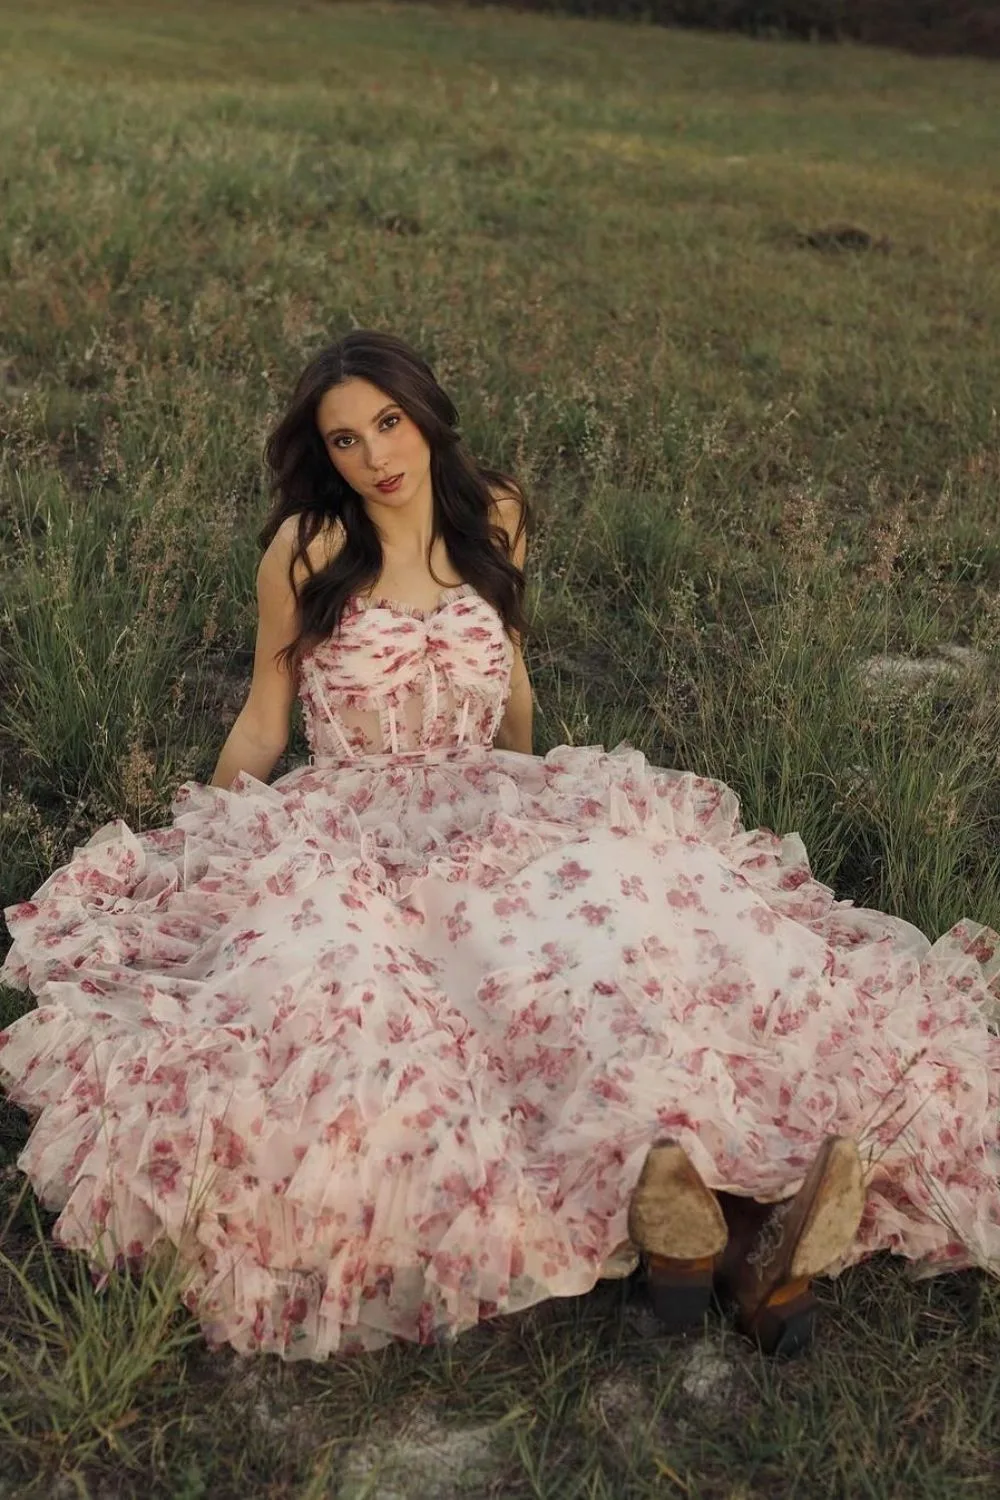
381	1046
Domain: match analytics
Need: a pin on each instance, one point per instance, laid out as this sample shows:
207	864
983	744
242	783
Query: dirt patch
423	1461
622	1402
836	238
707	1376
946	662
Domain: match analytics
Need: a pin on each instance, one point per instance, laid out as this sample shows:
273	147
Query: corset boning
394	679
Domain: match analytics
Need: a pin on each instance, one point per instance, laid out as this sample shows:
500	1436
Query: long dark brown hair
305	483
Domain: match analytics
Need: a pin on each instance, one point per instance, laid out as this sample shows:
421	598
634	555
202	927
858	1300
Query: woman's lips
388	485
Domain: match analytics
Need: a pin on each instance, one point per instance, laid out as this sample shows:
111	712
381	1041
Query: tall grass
764	474
72	1362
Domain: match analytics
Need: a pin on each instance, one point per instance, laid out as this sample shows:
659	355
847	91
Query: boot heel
680	1291
784	1324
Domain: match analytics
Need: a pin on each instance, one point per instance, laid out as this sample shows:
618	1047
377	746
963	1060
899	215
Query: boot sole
832	1219
672	1214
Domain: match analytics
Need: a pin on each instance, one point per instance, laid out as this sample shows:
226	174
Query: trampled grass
766	470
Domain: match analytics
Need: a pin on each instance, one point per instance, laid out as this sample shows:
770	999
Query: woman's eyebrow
336	431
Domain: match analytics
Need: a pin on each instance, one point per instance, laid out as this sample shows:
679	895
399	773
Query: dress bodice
394	678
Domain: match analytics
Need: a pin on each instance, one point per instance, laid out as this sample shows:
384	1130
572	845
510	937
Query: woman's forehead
354	403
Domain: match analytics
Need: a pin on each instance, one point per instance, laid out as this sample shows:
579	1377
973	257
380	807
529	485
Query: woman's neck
406	532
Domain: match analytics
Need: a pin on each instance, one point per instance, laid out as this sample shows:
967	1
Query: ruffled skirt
381	1046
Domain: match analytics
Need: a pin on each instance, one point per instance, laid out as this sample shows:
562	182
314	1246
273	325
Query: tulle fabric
381	1046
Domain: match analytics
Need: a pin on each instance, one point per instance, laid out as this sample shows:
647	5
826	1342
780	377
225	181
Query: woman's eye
343	440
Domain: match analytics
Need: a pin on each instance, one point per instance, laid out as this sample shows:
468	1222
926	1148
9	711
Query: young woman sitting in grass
432	1028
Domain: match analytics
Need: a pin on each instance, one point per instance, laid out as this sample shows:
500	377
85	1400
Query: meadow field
764	457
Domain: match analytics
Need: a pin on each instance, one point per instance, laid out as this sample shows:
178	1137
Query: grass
758	467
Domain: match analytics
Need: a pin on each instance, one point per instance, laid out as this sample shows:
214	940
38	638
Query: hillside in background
926	26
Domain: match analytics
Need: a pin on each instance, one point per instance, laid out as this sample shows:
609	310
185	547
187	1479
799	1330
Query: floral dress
381	1046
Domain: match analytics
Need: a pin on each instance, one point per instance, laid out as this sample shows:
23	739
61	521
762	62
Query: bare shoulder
321	550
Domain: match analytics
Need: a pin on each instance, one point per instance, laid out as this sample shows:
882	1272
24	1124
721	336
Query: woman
432	1028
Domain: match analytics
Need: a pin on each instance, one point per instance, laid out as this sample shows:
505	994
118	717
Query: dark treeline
918	25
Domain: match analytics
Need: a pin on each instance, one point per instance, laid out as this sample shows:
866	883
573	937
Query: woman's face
370	439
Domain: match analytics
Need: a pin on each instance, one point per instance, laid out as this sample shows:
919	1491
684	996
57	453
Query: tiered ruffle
382	1046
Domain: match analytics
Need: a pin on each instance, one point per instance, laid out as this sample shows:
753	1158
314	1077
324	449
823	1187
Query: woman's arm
242	752
259	736
514	731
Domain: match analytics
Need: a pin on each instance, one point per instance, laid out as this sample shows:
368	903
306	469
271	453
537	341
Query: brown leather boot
775	1249
677	1224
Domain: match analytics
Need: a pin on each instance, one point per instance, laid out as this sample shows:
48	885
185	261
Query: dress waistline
432	755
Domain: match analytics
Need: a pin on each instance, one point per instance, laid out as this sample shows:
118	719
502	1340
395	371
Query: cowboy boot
677	1224
775	1249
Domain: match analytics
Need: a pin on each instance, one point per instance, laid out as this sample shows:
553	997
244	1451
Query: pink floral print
382	1046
